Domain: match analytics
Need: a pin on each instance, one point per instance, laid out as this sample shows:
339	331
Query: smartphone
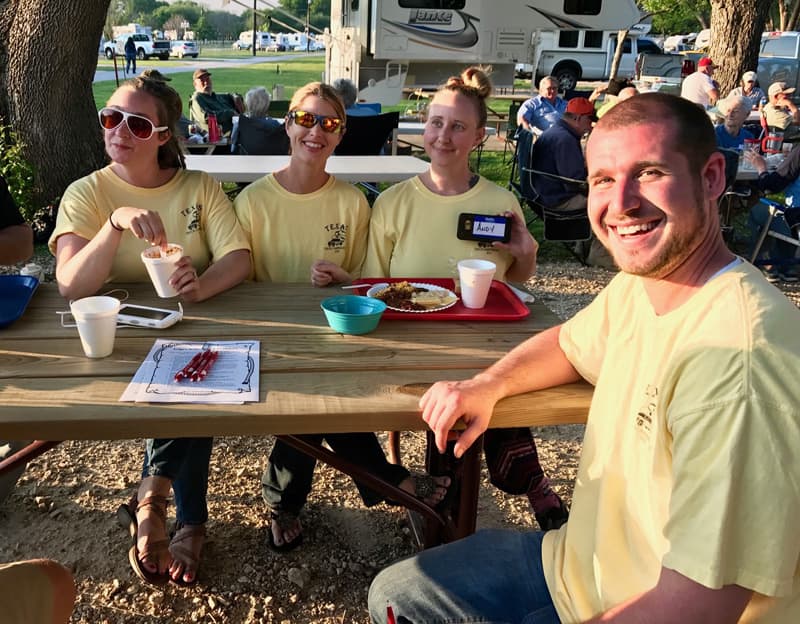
145	316
487	228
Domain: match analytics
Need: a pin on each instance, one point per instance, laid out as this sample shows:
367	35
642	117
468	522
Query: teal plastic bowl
353	314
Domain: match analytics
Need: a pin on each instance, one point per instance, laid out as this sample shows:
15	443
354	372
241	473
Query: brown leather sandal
189	554
154	548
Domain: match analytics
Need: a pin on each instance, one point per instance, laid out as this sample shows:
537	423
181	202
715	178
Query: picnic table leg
26	454
466	481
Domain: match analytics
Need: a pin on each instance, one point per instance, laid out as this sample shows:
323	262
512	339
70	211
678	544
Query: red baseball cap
706	62
581	106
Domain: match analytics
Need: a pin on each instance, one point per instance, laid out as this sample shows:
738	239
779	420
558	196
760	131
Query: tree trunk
737	28
48	55
792	21
782	14
617	53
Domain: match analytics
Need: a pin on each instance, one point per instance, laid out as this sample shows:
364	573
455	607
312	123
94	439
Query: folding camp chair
735	196
570	227
782	224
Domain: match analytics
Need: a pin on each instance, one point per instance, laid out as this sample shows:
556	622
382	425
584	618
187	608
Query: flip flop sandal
285	520
136	557
190	557
425	486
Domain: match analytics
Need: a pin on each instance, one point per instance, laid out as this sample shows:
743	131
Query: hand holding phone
485	228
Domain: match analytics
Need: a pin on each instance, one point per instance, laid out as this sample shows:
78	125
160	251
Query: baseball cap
779	87
749	76
706	62
581	106
199	73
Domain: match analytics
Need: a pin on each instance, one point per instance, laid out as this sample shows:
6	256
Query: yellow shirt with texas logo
289	232
195	211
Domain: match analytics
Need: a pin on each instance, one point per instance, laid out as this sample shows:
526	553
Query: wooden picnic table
312	379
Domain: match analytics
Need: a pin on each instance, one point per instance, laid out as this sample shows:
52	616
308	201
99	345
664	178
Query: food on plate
405	296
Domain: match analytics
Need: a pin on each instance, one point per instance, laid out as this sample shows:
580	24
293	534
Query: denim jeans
494	576
286	482
185	462
775	250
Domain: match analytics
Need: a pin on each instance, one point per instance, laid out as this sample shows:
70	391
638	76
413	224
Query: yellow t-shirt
289	232
690	454
413	230
195	212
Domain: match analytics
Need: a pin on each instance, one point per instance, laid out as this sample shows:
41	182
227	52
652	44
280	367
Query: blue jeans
494	576
776	251
185	462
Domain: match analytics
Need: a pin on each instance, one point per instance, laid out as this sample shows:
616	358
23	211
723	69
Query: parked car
240	45
276	47
146	47
184	48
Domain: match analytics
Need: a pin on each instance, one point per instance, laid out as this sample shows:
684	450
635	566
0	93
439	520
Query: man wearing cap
699	87
748	90
781	113
558	152
204	102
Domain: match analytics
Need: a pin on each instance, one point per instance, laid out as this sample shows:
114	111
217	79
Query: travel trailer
386	45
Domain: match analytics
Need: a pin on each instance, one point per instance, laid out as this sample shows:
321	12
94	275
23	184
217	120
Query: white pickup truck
572	55
145	47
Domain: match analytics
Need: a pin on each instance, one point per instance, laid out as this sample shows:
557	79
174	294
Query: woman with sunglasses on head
413	234
304	223
146	197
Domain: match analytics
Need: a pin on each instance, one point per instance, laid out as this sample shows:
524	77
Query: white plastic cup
476	280
160	269
96	318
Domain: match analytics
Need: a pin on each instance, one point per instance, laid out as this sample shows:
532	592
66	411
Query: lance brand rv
387	45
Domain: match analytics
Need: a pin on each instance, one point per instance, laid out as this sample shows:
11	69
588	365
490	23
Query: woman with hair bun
413	234
146	197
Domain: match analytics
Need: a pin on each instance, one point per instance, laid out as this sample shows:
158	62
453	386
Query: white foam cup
476	280
160	268
96	318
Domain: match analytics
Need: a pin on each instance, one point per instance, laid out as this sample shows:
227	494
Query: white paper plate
378	287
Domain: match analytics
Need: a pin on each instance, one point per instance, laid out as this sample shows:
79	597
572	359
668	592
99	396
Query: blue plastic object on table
15	293
353	314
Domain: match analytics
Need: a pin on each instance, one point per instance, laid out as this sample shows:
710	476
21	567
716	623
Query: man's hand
472	401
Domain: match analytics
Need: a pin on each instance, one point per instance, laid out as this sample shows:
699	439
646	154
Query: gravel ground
64	505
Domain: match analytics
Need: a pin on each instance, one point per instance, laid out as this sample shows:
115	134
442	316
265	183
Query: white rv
386	45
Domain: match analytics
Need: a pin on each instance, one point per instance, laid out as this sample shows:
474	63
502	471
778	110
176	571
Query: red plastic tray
501	305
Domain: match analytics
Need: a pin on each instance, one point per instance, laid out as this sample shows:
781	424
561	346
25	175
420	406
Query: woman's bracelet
114	225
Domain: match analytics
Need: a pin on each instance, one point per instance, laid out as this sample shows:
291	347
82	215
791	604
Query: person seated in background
730	133
699	87
781	113
38	591
616	91
205	101
749	90
540	112
785	179
256	107
348	91
16	245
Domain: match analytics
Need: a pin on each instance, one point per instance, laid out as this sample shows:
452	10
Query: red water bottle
213	128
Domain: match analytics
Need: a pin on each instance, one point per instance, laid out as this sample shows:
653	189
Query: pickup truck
778	61
572	55
145	47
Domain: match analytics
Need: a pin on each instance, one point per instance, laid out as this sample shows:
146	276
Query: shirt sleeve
360	238
223	230
77	214
381	244
786	173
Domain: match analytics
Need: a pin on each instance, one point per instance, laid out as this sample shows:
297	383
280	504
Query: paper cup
96	318
476	279
161	269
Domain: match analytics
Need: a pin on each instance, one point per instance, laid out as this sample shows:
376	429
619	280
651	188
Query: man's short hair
552	79
347	91
693	134
615	85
